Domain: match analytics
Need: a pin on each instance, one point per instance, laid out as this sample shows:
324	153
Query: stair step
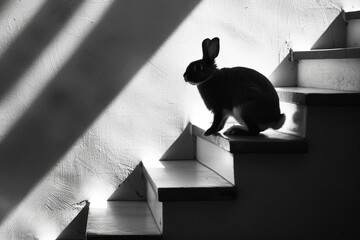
295	103
352	15
318	97
336	53
269	141
329	68
186	180
122	220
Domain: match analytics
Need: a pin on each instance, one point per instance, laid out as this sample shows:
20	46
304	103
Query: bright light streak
47	232
98	202
47	237
16	21
303	45
50	61
351	8
97	192
151	159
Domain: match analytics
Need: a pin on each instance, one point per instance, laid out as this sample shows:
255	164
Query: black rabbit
240	92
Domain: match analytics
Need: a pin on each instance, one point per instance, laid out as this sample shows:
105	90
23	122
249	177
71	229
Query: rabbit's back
244	84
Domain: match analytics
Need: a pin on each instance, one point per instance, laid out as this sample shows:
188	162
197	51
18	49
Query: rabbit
240	92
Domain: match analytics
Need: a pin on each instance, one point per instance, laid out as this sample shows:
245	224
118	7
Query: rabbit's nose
185	77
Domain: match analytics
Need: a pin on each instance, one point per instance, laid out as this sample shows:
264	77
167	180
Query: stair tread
269	141
336	53
122	218
318	97
178	180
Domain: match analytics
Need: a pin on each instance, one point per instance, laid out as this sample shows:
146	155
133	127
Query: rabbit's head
202	70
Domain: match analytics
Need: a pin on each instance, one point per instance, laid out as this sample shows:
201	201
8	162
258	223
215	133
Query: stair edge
337	53
352	15
324	97
293	143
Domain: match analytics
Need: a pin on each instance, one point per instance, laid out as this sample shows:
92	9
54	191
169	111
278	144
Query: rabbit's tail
279	123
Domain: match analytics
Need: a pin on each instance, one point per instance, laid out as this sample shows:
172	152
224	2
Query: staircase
301	182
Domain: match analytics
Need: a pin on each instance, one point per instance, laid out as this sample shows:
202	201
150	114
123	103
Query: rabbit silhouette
240	92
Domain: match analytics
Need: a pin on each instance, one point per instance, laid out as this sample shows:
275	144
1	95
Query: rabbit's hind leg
239	130
247	118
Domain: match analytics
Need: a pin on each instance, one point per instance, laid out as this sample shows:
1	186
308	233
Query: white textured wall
143	116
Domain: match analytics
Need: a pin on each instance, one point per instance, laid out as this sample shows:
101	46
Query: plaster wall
104	89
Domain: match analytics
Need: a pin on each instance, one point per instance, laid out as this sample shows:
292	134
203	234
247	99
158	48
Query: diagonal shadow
2	4
30	43
334	36
115	50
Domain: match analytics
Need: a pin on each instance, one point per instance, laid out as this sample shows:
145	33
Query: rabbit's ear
205	45
211	49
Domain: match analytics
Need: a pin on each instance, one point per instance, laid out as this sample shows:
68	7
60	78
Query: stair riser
122	220
341	74
200	220
215	158
353	33
155	206
295	123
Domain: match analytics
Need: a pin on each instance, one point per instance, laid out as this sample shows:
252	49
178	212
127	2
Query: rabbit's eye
198	67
